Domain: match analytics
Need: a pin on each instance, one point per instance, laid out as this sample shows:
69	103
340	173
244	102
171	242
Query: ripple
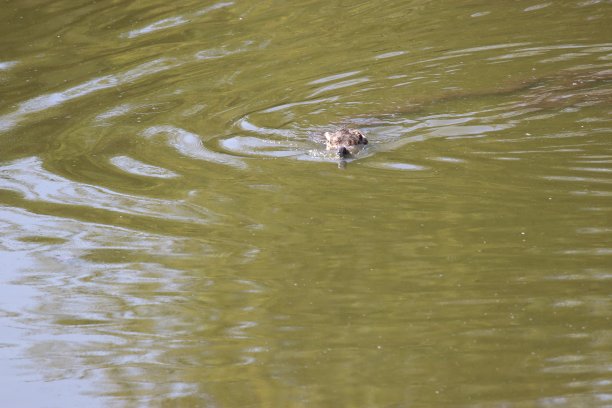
173	21
48	101
213	7
592	193
537	7
339	85
467	132
133	166
590	251
578	179
65	235
214	53
487	48
156	26
592	169
289	106
117	111
390	54
261	147
594	230
399	166
588	3
190	145
334	77
29	178
480	14
448	159
245	124
6	65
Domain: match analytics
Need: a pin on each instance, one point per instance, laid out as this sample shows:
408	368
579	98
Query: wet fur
346	142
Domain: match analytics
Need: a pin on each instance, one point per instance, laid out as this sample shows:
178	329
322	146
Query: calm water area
174	233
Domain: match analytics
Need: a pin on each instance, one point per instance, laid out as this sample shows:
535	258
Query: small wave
29	178
133	166
171	22
190	145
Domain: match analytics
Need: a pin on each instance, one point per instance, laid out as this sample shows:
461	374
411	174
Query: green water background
174	234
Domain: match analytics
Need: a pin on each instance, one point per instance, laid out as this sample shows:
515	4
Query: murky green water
174	234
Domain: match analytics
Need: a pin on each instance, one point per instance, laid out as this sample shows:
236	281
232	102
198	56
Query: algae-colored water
174	234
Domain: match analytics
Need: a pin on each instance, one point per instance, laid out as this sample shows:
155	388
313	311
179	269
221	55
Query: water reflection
6	65
45	102
190	145
85	330
29	178
130	165
158	25
174	21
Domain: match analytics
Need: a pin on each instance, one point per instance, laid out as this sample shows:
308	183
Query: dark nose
343	152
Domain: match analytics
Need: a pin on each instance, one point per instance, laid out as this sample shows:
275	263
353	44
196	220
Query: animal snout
343	152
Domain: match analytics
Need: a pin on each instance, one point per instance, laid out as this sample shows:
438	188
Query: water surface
174	233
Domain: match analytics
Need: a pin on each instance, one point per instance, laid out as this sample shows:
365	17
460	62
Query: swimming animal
346	142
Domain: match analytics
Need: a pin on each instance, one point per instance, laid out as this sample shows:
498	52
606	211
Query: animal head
344	138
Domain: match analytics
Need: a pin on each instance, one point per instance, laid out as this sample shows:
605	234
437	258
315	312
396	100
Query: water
174	233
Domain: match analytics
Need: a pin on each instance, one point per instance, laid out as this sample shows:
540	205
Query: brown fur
345	141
